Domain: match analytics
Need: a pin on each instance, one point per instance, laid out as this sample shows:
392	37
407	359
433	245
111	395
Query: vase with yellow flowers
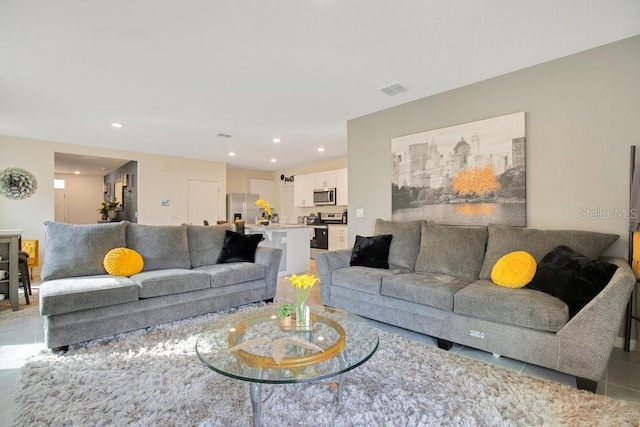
266	216
303	285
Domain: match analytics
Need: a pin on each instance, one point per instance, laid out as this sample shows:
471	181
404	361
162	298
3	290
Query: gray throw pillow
405	244
73	250
205	243
161	246
504	239
456	251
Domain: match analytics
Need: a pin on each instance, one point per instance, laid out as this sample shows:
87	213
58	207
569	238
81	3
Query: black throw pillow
371	251
571	277
239	248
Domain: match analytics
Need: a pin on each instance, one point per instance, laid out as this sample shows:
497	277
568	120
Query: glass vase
302	314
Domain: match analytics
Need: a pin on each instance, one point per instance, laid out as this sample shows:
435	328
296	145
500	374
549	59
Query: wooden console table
9	248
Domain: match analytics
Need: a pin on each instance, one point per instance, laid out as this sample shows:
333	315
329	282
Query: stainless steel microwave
324	196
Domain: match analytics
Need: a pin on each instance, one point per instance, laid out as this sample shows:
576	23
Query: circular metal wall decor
16	183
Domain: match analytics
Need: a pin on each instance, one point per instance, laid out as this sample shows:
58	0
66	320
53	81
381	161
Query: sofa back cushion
161	246
456	251
73	250
405	243
205	243
504	239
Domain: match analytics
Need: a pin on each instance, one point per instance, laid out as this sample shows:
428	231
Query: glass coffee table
252	346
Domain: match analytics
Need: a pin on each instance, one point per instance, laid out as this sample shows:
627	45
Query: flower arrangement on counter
261	203
303	285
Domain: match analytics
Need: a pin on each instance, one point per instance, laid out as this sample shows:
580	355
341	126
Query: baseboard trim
620	343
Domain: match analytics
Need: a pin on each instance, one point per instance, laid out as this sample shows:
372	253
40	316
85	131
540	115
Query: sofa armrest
326	262
587	340
270	258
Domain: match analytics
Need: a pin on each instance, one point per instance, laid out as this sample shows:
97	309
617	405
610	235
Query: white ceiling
176	74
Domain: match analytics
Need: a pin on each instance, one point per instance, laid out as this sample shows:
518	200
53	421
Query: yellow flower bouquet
261	203
303	285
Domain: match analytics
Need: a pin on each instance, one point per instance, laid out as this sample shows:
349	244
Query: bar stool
23	270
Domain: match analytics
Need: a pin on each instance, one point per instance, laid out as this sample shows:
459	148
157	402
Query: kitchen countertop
275	226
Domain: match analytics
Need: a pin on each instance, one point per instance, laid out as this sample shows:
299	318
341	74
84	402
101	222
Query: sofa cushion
161	246
457	251
504	239
238	248
364	279
434	290
233	273
371	251
74	250
405	243
123	262
520	307
571	277
514	270
59	296
172	281
205	243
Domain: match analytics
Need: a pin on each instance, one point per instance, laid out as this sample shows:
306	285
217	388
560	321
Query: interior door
60	205
204	202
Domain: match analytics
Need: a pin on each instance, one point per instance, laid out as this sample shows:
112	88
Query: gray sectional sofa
439	284
180	278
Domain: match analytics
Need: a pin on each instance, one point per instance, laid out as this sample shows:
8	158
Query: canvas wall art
469	174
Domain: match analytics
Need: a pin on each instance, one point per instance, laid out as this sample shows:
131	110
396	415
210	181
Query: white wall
582	115
159	177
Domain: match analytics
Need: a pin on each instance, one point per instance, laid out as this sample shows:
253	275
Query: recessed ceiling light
276	140
231	153
77	172
273	160
116	125
320	149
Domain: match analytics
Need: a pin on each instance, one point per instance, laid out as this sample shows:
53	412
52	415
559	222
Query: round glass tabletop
251	346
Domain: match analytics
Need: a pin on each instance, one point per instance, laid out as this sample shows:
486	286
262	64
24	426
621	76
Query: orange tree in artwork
475	182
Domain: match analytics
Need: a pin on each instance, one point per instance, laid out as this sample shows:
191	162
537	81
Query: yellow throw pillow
514	270
123	262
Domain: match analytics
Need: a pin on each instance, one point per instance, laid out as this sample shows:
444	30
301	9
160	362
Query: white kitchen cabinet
342	187
303	186
338	237
325	179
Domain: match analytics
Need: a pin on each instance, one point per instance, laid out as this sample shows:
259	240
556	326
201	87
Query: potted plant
108	209
284	314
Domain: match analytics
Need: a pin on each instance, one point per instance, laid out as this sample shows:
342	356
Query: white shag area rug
154	378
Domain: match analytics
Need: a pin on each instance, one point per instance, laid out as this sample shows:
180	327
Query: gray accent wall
582	115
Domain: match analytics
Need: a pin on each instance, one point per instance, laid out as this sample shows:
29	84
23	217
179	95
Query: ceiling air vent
223	135
393	89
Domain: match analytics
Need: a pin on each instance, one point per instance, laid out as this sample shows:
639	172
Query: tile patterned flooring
23	337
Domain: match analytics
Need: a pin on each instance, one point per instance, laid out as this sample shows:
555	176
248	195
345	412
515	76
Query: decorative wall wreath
16	183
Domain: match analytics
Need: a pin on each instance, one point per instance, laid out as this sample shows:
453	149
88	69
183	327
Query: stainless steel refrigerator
242	206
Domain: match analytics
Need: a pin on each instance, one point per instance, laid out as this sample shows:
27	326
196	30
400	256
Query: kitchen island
293	239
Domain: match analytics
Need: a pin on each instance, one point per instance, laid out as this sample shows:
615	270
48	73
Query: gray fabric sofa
439	284
180	278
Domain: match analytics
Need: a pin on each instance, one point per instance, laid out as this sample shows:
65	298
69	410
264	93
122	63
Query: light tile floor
22	337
